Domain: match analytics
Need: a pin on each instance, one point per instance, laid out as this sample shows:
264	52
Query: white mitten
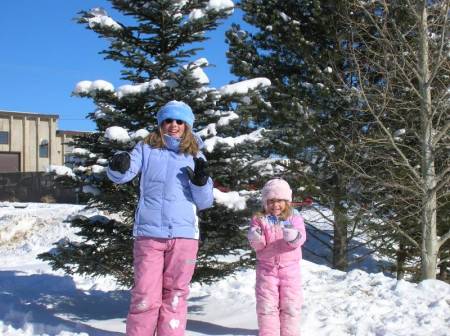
254	234
290	234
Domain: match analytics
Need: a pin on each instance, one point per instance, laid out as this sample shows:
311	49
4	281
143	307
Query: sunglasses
169	121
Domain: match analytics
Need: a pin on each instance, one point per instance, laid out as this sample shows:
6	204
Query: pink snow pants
279	299
163	269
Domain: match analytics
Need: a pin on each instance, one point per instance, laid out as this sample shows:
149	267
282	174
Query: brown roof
73	132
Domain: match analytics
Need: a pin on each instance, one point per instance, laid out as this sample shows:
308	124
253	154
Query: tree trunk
429	234
340	258
429	239
401	259
443	271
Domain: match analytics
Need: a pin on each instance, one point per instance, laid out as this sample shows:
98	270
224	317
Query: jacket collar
172	143
276	220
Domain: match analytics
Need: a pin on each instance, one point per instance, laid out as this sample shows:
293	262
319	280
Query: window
43	149
4	138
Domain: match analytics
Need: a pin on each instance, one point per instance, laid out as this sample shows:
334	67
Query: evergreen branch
362	257
321	213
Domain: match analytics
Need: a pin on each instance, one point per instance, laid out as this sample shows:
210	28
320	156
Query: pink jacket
272	248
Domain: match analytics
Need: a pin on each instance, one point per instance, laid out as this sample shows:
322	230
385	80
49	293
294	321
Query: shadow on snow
40	300
317	250
214	329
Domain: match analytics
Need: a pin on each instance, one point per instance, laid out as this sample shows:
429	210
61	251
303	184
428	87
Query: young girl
173	185
277	235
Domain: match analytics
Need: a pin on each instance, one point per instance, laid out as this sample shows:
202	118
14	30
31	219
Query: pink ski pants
279	299
163	269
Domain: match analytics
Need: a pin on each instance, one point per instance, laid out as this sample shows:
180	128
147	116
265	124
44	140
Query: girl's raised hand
254	234
290	234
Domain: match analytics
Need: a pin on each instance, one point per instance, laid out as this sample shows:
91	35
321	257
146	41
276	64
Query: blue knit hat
176	110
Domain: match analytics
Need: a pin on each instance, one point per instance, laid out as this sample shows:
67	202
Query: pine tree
296	44
155	46
232	143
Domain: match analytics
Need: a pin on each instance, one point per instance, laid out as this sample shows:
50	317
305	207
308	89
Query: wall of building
27	132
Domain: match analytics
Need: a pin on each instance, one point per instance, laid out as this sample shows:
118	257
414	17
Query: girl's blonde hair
188	144
285	214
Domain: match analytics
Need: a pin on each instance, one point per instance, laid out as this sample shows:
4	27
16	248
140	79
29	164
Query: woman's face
275	206
173	127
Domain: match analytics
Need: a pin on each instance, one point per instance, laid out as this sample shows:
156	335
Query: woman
173	186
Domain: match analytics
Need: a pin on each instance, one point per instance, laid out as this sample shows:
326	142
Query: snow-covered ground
34	300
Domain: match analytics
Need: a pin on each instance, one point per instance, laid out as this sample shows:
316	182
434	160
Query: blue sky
44	53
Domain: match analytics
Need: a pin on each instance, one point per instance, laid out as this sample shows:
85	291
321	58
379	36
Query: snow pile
232	200
117	133
60	170
87	87
101	19
360	303
26	232
197	71
245	86
140	134
210	143
213	5
128	89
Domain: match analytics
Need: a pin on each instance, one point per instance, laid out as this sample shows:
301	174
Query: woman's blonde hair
285	214
188	144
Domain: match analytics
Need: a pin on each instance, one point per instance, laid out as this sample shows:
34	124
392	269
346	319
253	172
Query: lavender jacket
168	200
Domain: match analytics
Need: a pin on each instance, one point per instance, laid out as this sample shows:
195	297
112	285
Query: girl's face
173	127
276	206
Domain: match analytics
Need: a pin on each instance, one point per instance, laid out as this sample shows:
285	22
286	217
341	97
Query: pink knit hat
278	189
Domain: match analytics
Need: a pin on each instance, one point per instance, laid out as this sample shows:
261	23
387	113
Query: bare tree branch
444	132
441	59
444	239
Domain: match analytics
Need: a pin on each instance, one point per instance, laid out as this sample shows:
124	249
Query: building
30	142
